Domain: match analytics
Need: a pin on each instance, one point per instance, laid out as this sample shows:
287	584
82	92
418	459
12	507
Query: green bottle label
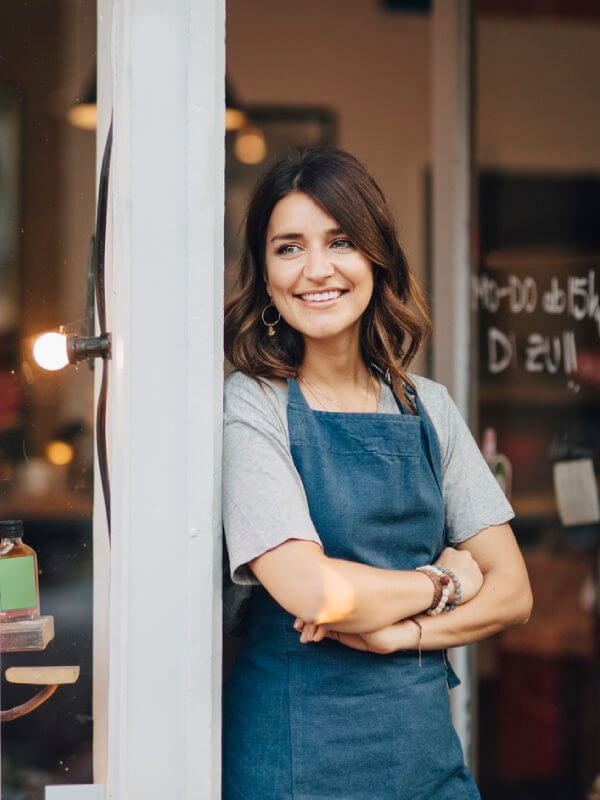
17	583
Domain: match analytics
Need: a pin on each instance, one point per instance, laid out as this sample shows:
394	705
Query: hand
309	632
466	569
403	635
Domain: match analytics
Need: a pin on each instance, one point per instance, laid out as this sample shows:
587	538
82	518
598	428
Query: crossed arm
369	608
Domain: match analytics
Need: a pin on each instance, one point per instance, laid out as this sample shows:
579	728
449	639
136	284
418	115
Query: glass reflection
536	294
47	206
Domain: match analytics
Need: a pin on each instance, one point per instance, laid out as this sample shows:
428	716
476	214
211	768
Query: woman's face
319	282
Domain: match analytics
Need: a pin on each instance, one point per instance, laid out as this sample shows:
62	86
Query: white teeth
320	296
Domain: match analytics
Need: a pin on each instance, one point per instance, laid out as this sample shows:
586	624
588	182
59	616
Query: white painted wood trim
101	553
451	273
166	301
75	792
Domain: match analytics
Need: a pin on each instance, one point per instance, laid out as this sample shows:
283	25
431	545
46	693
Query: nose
317	266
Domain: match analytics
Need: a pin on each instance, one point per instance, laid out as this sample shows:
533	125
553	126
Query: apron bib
316	721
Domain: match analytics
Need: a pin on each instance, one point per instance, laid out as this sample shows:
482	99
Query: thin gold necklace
314	389
313	393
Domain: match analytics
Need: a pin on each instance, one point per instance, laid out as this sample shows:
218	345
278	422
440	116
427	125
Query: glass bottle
19	588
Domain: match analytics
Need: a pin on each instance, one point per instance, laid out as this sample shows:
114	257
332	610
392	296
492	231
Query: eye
342	244
287	249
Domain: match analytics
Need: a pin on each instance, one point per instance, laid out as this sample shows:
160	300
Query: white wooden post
165	301
101	549
452	164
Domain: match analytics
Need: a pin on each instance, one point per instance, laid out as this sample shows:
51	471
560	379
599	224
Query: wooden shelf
26	635
42	676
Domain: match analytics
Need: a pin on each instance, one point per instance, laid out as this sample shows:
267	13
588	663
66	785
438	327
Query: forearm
501	602
504	599
345	594
357	598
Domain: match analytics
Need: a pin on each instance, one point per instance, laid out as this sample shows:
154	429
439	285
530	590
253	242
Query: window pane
538	384
47	215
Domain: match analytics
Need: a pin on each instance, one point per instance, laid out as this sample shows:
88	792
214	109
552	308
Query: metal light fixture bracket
80	348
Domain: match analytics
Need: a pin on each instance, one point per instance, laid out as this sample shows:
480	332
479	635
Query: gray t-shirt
264	502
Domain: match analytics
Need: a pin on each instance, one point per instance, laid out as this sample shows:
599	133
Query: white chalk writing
521	294
576	296
541	353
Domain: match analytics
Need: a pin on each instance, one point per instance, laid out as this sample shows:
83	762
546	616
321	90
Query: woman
343	474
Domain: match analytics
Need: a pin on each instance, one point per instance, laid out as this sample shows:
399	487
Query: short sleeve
264	502
473	500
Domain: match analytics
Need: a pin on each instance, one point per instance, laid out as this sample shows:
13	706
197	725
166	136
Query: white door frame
162	68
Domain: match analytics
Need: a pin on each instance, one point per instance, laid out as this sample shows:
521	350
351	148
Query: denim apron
320	720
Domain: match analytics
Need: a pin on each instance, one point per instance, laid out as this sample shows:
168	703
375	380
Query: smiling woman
318	222
355	502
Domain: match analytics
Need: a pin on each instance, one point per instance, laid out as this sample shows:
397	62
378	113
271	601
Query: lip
322	303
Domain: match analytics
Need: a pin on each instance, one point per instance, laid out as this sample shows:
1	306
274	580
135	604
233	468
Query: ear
268	290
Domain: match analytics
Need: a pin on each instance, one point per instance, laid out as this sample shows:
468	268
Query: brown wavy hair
391	331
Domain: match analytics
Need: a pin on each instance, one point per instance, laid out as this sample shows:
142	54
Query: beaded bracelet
437	586
457	587
440	581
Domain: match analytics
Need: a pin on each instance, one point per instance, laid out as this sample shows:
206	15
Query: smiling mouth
321	298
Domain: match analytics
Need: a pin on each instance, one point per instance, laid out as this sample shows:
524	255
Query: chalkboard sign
540	315
537	297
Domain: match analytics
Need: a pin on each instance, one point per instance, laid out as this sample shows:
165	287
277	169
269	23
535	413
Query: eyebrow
288	236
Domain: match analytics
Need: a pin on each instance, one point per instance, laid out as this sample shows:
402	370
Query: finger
307	633
298	624
320	633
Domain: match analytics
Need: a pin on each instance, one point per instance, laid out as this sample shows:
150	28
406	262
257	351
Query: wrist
441	583
455	595
418	633
427	590
413	634
406	635
452	593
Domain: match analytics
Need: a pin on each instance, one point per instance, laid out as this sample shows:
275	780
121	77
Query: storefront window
47	214
536	291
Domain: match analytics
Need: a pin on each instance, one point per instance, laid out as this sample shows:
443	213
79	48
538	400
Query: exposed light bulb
50	351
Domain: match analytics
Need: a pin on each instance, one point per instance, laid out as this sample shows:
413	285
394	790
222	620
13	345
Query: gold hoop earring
270	325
